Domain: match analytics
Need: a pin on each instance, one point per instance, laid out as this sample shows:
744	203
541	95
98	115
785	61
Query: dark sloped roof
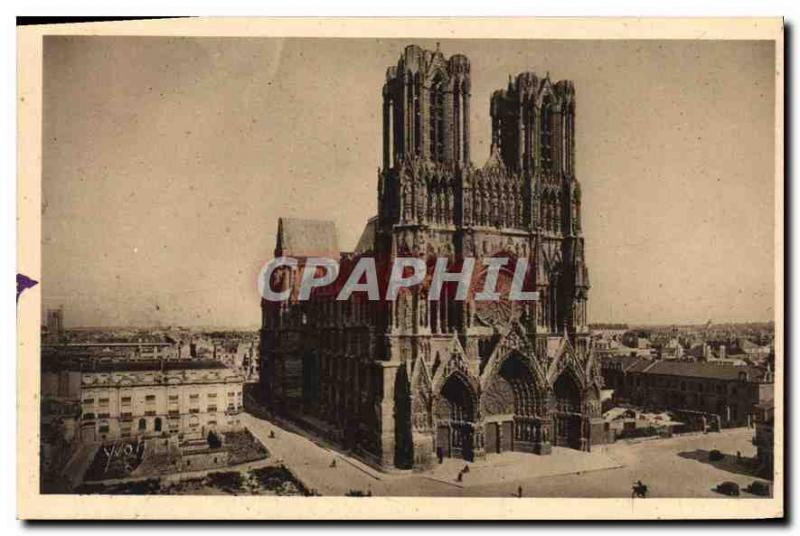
639	365
691	369
367	241
153	364
306	238
627	362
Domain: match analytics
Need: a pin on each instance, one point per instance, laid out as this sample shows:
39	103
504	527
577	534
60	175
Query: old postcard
401	269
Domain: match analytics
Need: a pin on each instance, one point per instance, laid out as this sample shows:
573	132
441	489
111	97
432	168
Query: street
675	467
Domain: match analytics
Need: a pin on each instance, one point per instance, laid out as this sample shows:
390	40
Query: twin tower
426	102
525	200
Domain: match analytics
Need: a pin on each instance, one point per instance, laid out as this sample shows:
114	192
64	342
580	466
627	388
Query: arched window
546	136
417	116
436	98
158	424
142	425
529	136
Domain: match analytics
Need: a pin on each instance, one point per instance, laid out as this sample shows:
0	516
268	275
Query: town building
711	395
764	437
158	397
53	329
403	381
117	349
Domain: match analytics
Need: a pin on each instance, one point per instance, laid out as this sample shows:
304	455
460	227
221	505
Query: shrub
279	480
214	441
230	481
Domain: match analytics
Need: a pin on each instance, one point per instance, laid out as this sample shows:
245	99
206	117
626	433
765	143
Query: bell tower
426	108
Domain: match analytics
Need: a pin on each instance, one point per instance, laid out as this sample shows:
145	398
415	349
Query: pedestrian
519	492
440	454
333	463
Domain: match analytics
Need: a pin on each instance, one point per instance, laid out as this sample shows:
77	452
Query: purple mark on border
23	283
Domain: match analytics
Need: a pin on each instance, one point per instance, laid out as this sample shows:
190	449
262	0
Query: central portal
512	407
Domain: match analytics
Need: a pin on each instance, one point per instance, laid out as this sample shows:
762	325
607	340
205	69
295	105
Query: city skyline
140	229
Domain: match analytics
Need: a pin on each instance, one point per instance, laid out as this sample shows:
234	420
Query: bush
151	486
230	481
279	480
214	441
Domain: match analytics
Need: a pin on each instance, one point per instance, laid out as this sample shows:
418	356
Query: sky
167	162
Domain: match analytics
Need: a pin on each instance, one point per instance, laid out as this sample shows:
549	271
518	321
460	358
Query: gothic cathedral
401	383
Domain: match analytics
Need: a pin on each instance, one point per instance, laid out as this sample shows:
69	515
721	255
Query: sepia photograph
364	263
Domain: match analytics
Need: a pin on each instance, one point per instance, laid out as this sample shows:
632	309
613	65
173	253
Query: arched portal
512	406
455	418
568	418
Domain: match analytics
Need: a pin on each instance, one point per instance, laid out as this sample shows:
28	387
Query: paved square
675	467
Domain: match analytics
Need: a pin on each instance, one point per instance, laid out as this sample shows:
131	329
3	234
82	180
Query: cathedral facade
402	382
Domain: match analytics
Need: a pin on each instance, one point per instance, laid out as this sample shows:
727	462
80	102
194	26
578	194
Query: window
212	408
142	425
150	398
126	400
103	428
88	416
173	398
103	402
437	119
546	137
88	401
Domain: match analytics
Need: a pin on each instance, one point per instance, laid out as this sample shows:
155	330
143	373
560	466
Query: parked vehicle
715	455
728	488
759	488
